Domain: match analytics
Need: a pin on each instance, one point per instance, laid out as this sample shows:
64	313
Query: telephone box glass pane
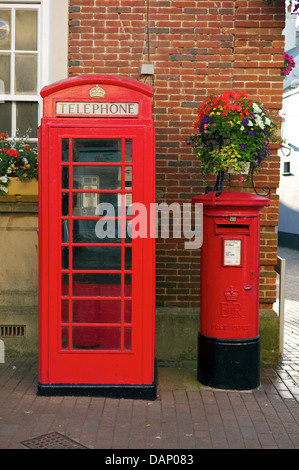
98	177
65	150
65	204
128	258
128	311
128	285
96	258
86	204
97	150
65	257
65	177
64	338
96	231
127	339
96	311
128	177
64	311
128	150
65	285
101	338
96	285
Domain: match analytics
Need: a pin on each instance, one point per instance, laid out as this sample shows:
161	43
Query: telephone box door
97	324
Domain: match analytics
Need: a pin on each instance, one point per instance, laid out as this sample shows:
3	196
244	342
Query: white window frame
52	48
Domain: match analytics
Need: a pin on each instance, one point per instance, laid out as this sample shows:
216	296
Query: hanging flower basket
233	134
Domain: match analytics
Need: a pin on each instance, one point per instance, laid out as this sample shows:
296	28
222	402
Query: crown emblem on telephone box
97	92
231	293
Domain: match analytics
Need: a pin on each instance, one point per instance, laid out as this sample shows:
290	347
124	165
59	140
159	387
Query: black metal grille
12	330
53	440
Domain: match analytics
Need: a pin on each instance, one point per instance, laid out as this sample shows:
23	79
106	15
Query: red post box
228	340
97	281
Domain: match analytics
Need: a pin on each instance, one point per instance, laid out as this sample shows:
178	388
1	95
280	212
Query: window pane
5	118
26	30
5	74
27	118
5	28
26	74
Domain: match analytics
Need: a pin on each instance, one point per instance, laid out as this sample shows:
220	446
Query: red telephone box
97	281
228	340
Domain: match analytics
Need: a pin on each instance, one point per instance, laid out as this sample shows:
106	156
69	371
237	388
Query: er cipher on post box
228	340
97	284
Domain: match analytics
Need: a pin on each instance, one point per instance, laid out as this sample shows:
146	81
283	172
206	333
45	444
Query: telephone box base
229	364
142	392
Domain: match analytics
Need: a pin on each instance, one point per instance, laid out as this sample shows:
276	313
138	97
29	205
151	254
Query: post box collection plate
232	252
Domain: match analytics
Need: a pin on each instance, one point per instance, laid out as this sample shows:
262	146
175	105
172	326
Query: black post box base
229	364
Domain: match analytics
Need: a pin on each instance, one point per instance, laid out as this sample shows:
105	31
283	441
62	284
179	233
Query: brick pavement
186	415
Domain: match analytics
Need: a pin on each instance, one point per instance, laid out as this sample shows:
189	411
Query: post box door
100	323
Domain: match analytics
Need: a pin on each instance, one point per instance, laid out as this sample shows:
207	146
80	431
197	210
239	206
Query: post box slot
232	228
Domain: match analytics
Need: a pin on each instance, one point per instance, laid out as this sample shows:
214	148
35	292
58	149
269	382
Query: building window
20	68
286	168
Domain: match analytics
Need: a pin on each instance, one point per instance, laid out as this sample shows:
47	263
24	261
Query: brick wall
197	47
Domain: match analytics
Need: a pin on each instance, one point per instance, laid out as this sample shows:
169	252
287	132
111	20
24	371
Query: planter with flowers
18	170
233	135
289	64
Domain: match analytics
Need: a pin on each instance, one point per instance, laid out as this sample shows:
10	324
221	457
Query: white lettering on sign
232	252
70	108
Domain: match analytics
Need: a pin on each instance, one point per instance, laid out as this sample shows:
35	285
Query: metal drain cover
53	440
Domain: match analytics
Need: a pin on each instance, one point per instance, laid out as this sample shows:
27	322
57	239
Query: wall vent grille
12	331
